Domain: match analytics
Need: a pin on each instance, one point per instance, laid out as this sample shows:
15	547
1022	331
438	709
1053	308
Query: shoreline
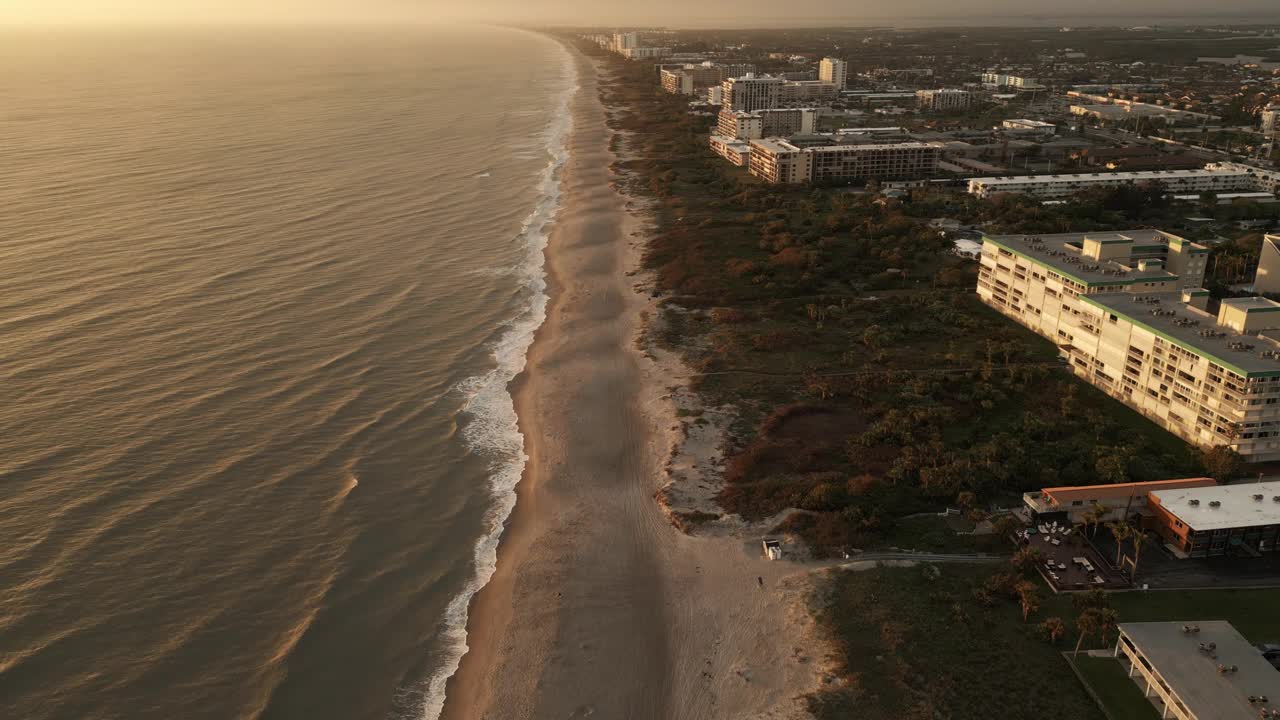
599	606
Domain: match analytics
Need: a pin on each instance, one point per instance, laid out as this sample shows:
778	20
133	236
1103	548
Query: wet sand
599	607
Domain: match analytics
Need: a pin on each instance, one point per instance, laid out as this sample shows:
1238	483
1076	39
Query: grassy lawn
917	640
1118	693
1252	612
914	645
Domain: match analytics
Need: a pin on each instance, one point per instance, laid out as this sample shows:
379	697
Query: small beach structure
772	548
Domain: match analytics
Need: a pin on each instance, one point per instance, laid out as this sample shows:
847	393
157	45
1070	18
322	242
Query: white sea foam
493	431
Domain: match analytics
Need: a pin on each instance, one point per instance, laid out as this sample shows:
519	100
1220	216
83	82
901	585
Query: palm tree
1140	541
1093	517
1028	598
1053	628
1121	530
1089	622
1109	619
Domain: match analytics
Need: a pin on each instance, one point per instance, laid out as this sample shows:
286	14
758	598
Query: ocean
261	294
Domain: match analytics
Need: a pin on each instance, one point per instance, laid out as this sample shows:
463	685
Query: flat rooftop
1062	253
1115	491
1194	330
778	145
1193	675
1237	506
1135	175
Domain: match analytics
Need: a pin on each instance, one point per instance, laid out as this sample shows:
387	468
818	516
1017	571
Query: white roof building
1199	670
1222	507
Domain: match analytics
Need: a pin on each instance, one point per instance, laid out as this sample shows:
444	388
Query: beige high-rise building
1127	312
944	100
1267	280
1271	121
834	71
774	122
749	92
778	161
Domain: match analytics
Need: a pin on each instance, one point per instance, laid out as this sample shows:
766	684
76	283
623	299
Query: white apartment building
693	79
778	161
624	41
1199	670
1127	312
645	53
1031	127
749	92
807	91
1267	279
1271	121
689	79
772	122
1215	177
945	100
834	71
737	152
1002	80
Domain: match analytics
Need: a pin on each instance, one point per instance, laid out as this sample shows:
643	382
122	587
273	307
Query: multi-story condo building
834	71
689	79
1271	121
807	92
1267	279
1127	312
645	53
625	41
944	100
1215	177
1001	80
773	122
737	152
751	92
693	79
778	161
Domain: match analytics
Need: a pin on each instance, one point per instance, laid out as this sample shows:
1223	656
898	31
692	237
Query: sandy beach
599	606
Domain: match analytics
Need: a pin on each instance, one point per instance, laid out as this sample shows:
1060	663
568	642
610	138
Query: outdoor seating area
1069	562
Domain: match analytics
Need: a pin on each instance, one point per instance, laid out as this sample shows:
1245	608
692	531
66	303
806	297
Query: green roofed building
1127	312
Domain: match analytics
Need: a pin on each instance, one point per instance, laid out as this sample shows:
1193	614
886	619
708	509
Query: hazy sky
666	12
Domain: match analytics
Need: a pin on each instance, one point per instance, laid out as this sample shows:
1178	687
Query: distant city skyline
671	13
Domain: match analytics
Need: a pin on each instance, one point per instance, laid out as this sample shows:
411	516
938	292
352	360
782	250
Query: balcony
1039	503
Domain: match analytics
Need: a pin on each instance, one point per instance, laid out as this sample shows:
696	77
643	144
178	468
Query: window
1077	502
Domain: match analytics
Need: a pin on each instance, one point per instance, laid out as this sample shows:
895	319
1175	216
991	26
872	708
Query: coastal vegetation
868	380
948	641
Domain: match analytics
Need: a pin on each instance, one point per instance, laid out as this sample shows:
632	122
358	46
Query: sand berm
599	607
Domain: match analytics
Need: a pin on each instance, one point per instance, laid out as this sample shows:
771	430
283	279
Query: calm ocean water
260	295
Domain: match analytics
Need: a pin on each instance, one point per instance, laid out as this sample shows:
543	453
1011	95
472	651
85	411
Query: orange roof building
1072	503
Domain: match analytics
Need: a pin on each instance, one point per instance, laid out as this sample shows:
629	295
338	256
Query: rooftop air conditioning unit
1214	504
1257	498
1193	503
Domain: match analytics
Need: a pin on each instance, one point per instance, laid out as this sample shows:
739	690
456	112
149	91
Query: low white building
944	100
1033	127
1199	670
1215	178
